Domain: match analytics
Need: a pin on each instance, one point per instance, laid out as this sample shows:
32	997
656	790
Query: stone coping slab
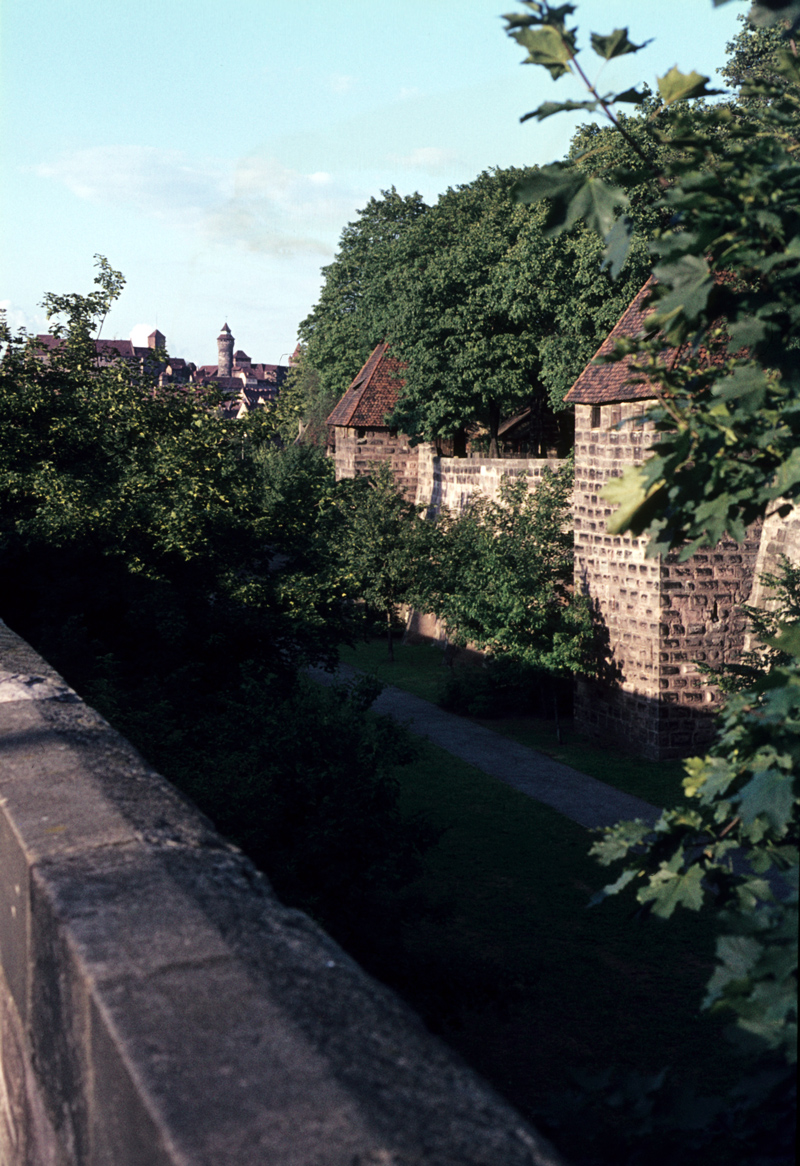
159	1005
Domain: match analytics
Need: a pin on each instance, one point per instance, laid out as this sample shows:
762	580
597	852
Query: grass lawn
418	668
517	974
508	963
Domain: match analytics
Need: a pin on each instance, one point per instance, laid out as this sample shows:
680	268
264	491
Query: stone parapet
159	1005
449	483
357	451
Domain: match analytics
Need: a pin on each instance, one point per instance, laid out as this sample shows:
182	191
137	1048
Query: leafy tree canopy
351	315
500	576
382	542
727	250
181	571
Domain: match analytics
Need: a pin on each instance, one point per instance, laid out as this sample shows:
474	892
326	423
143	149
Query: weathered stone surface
662	617
430	481
449	482
159	1005
27	1137
356	451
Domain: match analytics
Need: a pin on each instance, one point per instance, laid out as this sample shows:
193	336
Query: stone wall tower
225	352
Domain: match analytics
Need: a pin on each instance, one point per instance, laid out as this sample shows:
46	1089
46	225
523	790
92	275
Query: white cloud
157	182
406	94
341	82
280	211
256	203
431	159
17	319
139	333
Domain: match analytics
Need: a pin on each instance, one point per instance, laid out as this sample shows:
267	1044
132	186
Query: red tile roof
110	349
373	393
232	384
600	384
274	373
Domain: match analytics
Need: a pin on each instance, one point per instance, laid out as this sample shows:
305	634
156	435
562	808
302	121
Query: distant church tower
225	350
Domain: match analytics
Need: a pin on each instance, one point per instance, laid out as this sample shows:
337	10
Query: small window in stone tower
595	416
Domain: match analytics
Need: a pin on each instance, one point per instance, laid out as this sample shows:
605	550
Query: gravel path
577	796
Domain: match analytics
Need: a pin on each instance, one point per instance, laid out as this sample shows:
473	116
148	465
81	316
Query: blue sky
215	152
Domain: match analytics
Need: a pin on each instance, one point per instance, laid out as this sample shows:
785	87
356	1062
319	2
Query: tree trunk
494	425
389	636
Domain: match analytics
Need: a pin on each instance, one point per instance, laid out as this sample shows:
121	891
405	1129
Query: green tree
753	56
464	292
500	576
179	571
474	315
728	452
351	316
303	407
382	542
468	361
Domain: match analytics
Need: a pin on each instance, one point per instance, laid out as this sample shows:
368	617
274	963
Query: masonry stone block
657	613
159	1005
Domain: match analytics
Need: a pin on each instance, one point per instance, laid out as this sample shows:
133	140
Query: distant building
246	385
111	350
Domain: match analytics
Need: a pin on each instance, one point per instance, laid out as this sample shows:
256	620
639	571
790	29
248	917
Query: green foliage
503	687
103	456
765	626
303	407
735	844
464	292
572	196
180	571
500	577
469	356
726	249
753	55
83	314
633	1118
728	420
353	311
490	313
382	543
304	780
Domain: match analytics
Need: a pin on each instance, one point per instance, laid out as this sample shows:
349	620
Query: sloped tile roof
373	394
600	384
233	384
273	373
111	348
519	420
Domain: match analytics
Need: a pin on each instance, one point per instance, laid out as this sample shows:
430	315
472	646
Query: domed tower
225	352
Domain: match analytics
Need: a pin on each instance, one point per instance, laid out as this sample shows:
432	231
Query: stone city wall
662	618
430	481
448	482
780	538
159	1005
357	450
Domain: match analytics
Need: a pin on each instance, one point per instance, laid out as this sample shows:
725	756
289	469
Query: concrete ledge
158	1005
